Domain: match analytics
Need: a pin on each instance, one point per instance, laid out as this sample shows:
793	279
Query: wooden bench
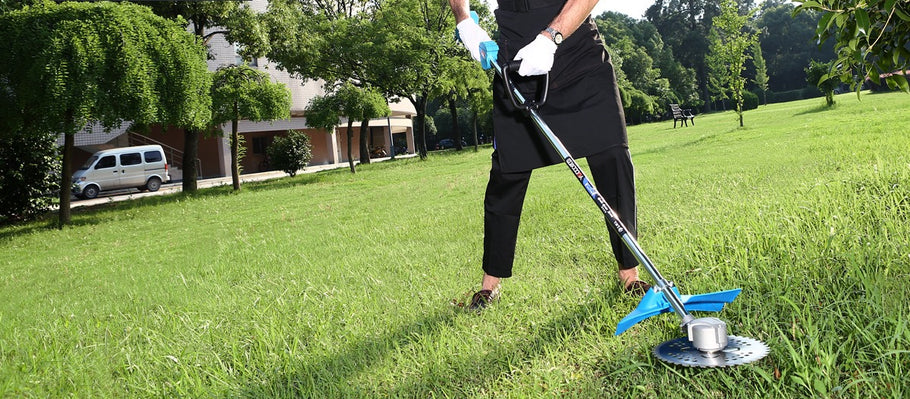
682	115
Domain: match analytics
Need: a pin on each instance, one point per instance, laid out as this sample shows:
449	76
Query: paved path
169	188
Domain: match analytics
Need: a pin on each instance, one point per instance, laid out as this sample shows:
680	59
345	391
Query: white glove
537	57
471	36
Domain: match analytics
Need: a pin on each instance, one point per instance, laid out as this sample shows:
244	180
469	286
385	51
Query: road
170	188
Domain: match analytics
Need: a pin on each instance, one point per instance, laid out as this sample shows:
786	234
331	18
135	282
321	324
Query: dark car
448	143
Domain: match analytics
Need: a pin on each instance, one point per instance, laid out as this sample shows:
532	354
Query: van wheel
154	184
90	192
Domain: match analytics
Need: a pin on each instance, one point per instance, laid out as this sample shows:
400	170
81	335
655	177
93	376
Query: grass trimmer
707	343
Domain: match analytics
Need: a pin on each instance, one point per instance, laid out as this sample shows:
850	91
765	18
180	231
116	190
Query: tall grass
340	285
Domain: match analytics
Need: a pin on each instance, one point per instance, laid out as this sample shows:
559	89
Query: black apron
583	106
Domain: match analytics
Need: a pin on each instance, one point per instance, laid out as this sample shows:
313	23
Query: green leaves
729	51
74	63
241	92
862	21
870	38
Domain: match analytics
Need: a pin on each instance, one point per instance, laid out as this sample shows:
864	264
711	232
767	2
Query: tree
327	40
422	59
729	52
761	72
400	48
291	153
788	43
240	92
325	112
645	64
817	74
870	39
71	64
29	178
481	108
231	18
685	25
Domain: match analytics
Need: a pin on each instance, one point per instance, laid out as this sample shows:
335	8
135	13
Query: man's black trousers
613	176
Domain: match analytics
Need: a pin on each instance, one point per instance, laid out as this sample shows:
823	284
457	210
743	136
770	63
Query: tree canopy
348	100
788	43
647	72
870	38
68	65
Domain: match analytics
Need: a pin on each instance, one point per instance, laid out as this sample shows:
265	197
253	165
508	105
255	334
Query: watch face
555	34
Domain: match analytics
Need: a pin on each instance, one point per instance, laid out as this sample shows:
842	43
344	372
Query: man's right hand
472	35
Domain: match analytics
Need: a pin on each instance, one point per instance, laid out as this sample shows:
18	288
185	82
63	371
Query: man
583	108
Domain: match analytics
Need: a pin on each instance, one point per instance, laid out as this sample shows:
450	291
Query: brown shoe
637	288
481	299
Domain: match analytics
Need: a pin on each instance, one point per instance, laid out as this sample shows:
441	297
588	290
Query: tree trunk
364	141
350	145
456	132
421	108
235	144
190	155
476	144
66	181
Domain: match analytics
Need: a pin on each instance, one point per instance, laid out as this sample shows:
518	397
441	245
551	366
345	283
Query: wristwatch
555	35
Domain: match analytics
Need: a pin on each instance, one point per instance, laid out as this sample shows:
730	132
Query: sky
633	8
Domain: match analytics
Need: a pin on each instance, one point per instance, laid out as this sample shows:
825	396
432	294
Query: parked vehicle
143	167
448	143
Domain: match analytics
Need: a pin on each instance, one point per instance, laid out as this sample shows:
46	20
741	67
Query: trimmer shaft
739	350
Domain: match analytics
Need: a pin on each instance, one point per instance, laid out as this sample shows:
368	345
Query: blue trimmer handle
489	53
489	50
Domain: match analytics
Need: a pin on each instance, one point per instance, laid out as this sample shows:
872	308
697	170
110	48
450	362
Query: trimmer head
739	350
708	345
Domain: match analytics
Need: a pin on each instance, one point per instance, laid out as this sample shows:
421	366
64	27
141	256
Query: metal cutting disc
739	350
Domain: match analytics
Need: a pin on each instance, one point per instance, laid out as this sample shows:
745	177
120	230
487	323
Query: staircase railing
174	156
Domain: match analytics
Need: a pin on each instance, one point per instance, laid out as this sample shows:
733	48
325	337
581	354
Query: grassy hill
339	285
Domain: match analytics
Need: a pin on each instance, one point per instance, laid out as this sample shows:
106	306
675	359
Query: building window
260	144
239	60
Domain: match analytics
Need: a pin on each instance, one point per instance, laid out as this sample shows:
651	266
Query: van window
106	162
153	156
88	164
132	158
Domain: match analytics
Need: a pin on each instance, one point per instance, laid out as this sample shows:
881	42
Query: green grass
340	285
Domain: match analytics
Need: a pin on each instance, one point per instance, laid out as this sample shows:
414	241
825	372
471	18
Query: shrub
641	105
785	96
750	100
291	153
30	182
811	92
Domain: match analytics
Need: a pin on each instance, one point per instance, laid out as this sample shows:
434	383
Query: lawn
334	284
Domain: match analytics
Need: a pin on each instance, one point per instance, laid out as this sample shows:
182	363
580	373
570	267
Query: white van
143	167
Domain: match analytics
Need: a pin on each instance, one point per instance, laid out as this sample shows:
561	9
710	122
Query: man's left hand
537	57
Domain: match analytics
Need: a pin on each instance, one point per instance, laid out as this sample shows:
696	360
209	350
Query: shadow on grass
817	109
333	376
680	145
